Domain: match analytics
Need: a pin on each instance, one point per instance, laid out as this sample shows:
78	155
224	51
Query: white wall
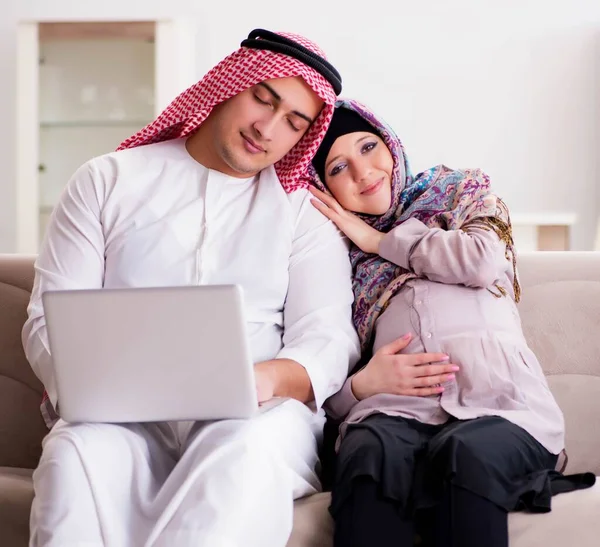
512	86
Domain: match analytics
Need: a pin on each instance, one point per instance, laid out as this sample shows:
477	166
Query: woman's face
358	172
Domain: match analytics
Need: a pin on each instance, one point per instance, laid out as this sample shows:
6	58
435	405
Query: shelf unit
82	88
543	231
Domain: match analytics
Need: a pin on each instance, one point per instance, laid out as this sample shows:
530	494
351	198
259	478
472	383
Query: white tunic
153	216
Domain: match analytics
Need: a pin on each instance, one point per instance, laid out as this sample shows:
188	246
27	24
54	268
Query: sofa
560	311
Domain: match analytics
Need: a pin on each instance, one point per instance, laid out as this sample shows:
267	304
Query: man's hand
282	378
405	374
266	380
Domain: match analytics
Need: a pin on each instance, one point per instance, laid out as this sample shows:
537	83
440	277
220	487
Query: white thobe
153	216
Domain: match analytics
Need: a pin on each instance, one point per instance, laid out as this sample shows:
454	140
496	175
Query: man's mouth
251	146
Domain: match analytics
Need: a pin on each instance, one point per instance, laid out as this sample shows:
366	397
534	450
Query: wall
513	87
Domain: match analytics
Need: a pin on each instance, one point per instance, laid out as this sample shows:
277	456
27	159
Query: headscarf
284	55
440	198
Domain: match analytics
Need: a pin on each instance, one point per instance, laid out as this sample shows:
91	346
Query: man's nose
265	127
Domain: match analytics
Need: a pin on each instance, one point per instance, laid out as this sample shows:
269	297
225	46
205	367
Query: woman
452	425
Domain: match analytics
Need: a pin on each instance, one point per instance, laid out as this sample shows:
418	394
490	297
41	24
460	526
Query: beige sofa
561	317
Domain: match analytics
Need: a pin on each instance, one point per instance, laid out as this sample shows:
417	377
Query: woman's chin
375	209
377	205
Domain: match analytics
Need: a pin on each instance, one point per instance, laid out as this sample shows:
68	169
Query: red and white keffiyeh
242	69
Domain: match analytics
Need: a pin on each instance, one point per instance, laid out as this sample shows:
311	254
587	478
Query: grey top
453	312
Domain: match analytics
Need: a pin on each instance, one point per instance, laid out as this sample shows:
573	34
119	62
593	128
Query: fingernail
455	368
440	389
406	336
451	376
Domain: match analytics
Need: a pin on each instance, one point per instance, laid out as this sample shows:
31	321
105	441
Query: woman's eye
369	146
294	128
336	170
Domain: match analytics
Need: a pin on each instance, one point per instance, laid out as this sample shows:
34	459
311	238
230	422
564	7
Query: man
214	196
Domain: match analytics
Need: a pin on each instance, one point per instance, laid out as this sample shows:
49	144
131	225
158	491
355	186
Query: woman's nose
362	170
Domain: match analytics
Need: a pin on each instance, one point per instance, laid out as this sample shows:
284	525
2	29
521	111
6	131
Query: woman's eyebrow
338	156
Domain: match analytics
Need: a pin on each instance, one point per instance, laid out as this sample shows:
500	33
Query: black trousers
462	519
453	485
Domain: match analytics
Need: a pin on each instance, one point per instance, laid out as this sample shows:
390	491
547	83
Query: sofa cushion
572	521
560	320
573	514
17	270
313	526
21	425
16	494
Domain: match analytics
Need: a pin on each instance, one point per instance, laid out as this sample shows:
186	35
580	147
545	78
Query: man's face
256	128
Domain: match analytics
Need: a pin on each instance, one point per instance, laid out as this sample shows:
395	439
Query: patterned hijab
239	71
440	198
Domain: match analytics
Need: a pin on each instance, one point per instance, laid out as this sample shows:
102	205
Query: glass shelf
66	124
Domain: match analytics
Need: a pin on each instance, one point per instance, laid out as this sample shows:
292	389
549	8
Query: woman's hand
405	374
367	239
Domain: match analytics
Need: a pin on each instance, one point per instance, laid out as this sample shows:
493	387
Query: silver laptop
151	354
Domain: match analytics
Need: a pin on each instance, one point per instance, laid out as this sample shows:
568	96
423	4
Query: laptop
151	354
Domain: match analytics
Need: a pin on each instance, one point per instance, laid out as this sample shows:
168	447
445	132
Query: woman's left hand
367	239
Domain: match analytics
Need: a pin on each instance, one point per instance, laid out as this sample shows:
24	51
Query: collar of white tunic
179	149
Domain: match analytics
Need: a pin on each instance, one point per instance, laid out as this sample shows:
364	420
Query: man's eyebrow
303	116
277	97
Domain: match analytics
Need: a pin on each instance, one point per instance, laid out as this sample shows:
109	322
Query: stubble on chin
235	163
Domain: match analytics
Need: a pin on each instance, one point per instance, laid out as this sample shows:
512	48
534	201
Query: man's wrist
288	379
272	371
